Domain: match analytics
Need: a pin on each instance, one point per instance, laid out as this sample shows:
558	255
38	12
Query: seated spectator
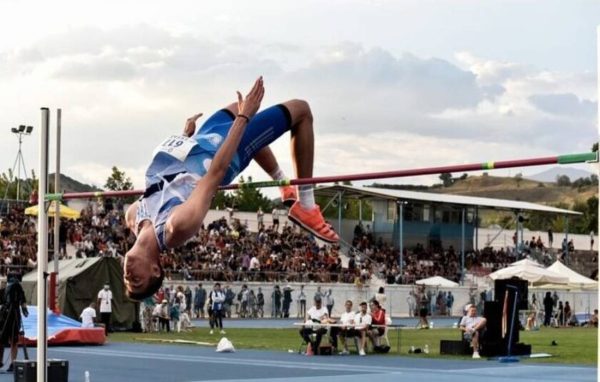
346	329
88	316
531	321
593	322
317	314
362	322
378	321
472	327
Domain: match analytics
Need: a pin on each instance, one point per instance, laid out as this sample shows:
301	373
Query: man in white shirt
346	330
362	322
472	327
105	303
88	316
317	314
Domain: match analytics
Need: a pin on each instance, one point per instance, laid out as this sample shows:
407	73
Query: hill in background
68	184
551	174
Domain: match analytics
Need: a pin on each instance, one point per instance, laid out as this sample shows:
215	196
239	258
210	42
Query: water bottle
87	376
426	347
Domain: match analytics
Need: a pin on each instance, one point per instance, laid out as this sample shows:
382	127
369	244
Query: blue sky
417	83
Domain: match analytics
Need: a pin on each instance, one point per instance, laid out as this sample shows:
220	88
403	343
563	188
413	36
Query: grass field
574	345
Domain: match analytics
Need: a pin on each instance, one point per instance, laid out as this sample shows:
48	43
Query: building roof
489	203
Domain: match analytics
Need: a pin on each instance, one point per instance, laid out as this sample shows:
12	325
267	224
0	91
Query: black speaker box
26	371
455	347
500	287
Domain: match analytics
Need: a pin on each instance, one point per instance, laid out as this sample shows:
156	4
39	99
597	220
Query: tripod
19	163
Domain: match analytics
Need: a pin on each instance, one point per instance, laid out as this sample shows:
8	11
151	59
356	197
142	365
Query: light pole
19	163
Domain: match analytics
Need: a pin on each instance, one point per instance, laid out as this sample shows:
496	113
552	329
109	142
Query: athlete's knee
299	110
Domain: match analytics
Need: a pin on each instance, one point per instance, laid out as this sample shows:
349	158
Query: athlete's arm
190	125
185	220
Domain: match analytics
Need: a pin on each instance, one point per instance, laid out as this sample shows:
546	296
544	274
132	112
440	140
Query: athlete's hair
153	286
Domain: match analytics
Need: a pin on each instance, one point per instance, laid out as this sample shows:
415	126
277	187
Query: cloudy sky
393	84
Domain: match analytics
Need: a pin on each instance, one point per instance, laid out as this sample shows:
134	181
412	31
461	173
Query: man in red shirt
378	321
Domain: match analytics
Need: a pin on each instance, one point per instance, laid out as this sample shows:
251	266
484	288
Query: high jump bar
540	161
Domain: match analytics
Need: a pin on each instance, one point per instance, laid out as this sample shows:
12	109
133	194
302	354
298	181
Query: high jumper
186	171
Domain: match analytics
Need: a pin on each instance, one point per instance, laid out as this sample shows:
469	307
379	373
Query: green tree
222	200
518	179
249	198
118	181
563	180
446	179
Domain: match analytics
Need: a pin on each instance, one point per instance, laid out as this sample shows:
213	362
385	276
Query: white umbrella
437	281
532	273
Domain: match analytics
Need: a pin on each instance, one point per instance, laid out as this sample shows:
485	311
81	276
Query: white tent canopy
437	281
575	279
526	262
532	273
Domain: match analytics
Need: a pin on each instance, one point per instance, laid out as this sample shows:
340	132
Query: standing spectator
188	300
548	307
550	237
229	297
561	314
218	299
287	300
449	303
105	298
259	218
147	308
276	301
252	304
199	301
175	314
88	316
161	312
591	240
381	297
329	301
567	313
318	293
260	303
275	216
10	317
423	312
411	300
244	301
301	302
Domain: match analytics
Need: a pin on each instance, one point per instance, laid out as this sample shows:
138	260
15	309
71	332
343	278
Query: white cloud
124	89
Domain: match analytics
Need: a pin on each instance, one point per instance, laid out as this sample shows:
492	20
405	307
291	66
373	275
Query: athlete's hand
249	105
190	125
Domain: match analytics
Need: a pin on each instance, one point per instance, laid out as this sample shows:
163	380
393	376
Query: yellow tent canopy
65	212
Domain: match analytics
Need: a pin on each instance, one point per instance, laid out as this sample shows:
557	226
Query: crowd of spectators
225	250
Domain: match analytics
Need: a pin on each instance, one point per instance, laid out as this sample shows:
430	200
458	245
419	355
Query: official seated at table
345	330
362	322
317	314
378	321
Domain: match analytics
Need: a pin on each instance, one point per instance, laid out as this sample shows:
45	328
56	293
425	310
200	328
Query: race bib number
177	146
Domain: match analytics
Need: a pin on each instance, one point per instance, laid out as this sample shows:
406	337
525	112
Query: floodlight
14	130
29	129
21	128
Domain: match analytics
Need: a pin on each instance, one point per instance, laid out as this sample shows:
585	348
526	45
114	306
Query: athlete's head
142	273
